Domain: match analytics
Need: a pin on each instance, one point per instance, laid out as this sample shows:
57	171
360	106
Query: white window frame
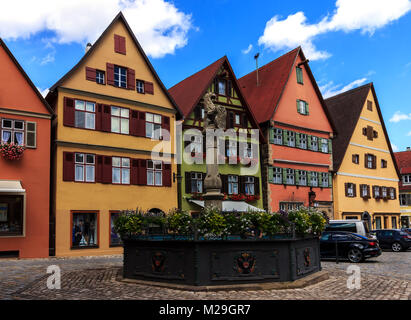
350	190
249	186
278	136
100	77
302	174
87	108
123	167
291	176
153	125
197	177
120	77
84	165
140	86
277	175
232	184
153	168
314	179
303	141
12	130
325	181
291	139
314	142
324	145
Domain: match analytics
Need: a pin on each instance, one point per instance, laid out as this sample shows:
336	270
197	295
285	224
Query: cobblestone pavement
95	278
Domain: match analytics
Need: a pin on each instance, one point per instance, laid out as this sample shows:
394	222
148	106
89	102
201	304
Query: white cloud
249	48
159	26
399	116
409	134
349	15
394	148
330	90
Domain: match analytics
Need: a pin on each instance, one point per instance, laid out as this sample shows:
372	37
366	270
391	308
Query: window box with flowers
11	151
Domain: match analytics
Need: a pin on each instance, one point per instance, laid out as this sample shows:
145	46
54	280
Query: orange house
297	162
25	119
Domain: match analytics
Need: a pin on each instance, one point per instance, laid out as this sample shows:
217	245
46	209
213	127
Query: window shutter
354	187
142	172
31	134
231	120
165	125
374	162
395	193
330	180
270	174
68	112
119	44
368	191
167	174
107	170
365	160
330	146
308	178
284	175
297	140
309	146
244	121
197	113
131	79
110	73
134	172
224	180
257	185
187	181
106	118
99	168
297	177
241	180
320	180
68	166
285	137
307	110
141	124
133	122
148	87
90	74
370	132
298	106
364	131
216	85
98	119
361	193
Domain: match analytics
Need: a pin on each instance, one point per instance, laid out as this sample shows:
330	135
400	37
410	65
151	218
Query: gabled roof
121	17
189	92
345	109
46	105
403	161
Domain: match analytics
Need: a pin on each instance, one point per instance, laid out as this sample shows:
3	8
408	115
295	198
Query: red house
289	107
25	119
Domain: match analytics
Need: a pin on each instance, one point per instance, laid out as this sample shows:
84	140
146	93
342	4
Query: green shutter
285	137
308	178
330	146
330	180
270	174
297	177
284	176
271	135
320	179
300	75
309	142
320	145
298	106
307	112
297	140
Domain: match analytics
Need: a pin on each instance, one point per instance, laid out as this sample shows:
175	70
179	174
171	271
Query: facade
404	166
112	111
240	173
291	112
366	176
25	119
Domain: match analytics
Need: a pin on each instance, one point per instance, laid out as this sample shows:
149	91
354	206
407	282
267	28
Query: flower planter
220	262
11	151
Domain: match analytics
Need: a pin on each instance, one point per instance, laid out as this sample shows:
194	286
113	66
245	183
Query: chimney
256	64
88	46
408	148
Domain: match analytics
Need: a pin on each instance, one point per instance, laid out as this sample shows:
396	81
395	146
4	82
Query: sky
348	42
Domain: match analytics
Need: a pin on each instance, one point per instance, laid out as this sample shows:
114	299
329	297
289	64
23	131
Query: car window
325	236
402	233
356	237
349	227
340	237
389	233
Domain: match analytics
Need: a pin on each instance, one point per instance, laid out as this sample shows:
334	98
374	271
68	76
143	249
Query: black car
407	230
394	239
348	245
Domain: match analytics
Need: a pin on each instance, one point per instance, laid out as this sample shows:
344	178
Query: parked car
348	245
394	239
356	226
407	230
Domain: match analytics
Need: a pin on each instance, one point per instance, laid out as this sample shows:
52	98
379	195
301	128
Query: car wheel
396	247
355	255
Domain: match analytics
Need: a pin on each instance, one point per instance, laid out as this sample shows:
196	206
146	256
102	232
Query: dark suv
394	239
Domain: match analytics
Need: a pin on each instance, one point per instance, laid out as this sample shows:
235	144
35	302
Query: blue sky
349	42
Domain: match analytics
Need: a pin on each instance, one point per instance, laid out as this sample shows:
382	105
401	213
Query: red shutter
68	166
148	87
354	187
131	79
141	126
142	172
99	111
107	170
68	112
134	172
106	118
99	168
119	44
257	186
90	74
133	122
165	125
166	174
110	73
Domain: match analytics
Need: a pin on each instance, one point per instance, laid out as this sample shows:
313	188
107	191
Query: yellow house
365	181
112	111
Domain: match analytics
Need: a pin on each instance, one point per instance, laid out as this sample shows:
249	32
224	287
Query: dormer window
120	77
222	87
140	86
100	77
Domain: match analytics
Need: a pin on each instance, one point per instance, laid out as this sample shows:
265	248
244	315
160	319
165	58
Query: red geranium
11	151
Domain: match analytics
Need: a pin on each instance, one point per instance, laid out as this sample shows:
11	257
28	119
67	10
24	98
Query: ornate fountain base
213	199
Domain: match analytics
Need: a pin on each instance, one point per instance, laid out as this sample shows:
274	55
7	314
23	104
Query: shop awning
7	186
230	206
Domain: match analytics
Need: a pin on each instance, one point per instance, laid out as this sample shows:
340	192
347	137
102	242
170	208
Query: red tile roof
272	80
403	161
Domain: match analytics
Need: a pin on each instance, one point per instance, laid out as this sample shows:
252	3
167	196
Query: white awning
230	206
11	186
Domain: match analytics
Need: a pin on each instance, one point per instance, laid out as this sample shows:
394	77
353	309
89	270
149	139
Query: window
85	115
384	192
121	170
278	136
300	75
394	222
12	131
277	175
140	86
364	191
314	143
100	77
288	206
350	190
392	193
222	85
120	120
115	239
378	223
84	167
324	180
356	158
232	184
154	173
291	139
84	230
11	215
383	163
314	179
324	145
303	141
302	107
302	176
231	148
153	126
248	152
196	182
405	199
249	185
376	191
120	77
196	144
406	179
369	105
237	119
31	131
290	176
370	161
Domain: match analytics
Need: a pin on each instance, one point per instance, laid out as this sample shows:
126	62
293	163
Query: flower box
11	151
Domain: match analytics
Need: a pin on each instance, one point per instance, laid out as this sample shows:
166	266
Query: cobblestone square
387	277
